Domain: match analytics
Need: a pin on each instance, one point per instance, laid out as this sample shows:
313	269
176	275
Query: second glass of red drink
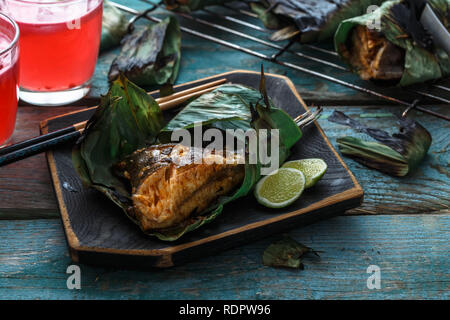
59	45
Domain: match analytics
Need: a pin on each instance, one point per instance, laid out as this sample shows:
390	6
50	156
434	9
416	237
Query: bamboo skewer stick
192	90
166	105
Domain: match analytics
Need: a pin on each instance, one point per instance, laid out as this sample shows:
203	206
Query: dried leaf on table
150	55
285	253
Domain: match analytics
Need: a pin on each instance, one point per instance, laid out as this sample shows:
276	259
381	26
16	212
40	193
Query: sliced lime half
281	188
313	169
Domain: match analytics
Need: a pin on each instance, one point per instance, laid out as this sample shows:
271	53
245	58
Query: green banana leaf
420	64
114	26
191	5
150	55
396	155
129	119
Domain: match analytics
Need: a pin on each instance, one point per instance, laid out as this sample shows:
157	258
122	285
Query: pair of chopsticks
47	141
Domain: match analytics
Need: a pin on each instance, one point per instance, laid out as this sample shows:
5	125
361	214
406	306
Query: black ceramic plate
98	232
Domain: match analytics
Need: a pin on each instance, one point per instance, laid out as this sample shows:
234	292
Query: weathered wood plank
26	192
411	251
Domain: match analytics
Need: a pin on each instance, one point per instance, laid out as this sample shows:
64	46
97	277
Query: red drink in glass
59	47
9	72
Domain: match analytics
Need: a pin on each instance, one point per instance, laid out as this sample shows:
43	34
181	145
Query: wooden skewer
191	90
44	142
177	101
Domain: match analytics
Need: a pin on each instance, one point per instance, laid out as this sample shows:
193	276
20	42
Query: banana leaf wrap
191	5
407	41
150	55
114	26
314	20
396	154
129	119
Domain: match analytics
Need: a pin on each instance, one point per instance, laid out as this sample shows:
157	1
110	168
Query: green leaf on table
285	253
150	54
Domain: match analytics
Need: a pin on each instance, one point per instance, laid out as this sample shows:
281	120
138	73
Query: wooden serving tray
99	233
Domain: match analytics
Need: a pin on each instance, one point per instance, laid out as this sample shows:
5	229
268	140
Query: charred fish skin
168	186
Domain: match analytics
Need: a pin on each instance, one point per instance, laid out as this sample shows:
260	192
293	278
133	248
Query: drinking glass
59	46
9	72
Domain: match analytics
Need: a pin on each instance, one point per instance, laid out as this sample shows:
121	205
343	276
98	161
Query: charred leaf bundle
124	154
396	154
309	20
397	51
150	55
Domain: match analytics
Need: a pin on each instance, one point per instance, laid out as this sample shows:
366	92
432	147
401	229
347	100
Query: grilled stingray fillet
373	56
167	186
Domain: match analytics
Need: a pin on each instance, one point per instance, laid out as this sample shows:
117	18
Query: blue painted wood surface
411	251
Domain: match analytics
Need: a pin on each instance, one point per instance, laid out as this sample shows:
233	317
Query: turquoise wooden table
403	225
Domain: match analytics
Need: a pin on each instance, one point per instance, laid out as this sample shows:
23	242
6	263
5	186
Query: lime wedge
313	169
281	188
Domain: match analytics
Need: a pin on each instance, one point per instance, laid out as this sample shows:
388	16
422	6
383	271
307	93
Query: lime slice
281	188
313	169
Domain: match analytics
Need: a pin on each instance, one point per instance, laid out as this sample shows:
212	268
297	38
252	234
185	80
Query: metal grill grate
436	92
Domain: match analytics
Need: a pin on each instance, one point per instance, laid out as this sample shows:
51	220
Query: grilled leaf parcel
309	20
396	154
125	153
150	55
401	51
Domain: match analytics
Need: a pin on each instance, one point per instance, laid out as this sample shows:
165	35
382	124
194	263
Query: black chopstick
35	140
38	144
